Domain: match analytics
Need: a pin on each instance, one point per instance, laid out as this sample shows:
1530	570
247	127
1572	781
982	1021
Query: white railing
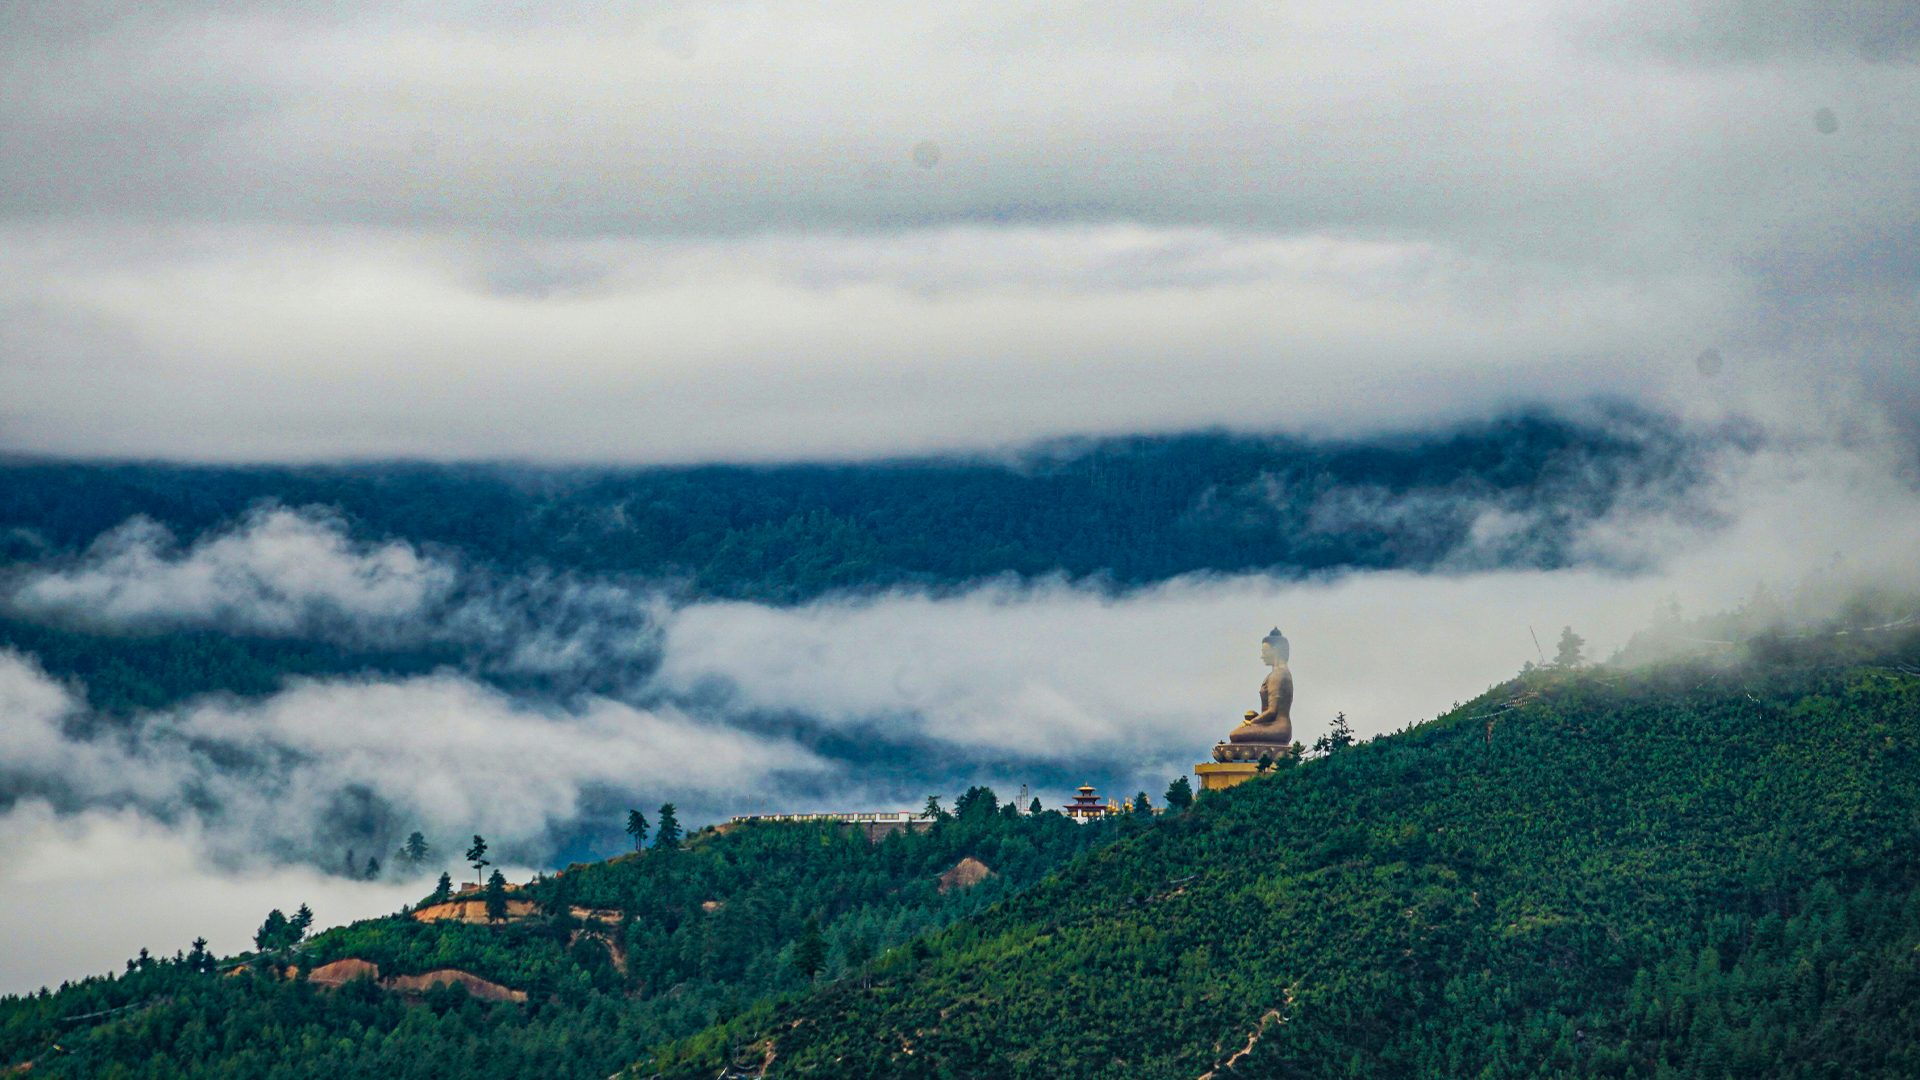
852	817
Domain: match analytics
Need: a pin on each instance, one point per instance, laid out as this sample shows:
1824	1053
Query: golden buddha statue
1269	732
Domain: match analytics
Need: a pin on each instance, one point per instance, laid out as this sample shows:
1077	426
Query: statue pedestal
1241	763
1221	775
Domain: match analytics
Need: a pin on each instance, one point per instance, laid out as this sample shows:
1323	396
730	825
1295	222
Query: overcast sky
673	231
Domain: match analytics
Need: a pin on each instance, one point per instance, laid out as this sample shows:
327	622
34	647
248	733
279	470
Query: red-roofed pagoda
1086	806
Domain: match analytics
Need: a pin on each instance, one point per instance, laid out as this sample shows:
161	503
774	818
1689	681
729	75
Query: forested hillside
1703	870
613	958
1136	510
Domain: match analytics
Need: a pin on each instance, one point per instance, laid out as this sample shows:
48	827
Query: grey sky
682	231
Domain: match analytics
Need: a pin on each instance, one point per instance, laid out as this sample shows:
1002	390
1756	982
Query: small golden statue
1269	732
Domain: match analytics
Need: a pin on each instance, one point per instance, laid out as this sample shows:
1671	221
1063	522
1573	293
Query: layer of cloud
704	117
1052	671
329	765
285	572
803	347
279	572
697	230
83	893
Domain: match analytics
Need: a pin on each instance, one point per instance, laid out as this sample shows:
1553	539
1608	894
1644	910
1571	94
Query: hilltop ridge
1704	869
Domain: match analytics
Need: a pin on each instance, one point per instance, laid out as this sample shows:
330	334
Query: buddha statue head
1273	648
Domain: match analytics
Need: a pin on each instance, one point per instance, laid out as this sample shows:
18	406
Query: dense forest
614	957
1702	868
1127	510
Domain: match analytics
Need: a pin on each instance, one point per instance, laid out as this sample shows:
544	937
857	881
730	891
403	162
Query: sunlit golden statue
1269	732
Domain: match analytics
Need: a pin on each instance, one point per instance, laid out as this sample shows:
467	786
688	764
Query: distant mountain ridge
1130	510
1113	513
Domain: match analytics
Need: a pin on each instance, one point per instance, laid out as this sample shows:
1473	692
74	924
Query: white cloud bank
1060	671
278	572
81	894
325	764
693	230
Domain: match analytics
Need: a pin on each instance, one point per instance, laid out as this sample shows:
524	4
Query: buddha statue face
1268	654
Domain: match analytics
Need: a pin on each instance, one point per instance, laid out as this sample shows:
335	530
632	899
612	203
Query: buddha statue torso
1274	722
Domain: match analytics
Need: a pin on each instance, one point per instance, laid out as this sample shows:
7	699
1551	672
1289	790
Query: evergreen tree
667	836
557	902
858	950
1568	654
416	851
933	809
1179	794
1341	736
477	855
637	828
1034	806
373	869
302	920
496	897
977	800
351	867
810	952
443	889
272	933
1141	807
199	959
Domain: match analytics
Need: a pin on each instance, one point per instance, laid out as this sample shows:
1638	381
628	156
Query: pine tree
373	869
810	952
477	855
199	959
667	836
1568	654
1179	794
858	950
443	890
933	809
496	897
637	828
1141	807
976	800
1341	736
272	933
301	921
416	851
1034	807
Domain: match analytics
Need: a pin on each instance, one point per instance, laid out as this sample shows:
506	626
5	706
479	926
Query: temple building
1086	806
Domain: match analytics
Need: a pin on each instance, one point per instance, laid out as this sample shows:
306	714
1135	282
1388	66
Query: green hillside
673	940
1700	871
